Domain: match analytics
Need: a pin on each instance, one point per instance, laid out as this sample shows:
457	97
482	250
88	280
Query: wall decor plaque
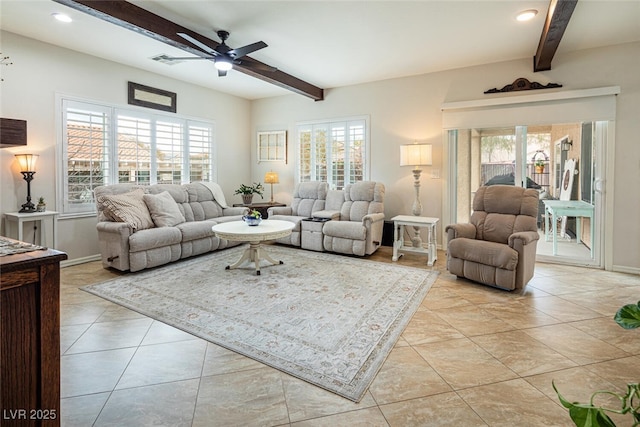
523	84
150	97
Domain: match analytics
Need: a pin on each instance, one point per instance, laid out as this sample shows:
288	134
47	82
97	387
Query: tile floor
471	356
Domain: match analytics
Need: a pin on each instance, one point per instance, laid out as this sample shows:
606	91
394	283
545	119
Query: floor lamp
416	155
271	178
27	169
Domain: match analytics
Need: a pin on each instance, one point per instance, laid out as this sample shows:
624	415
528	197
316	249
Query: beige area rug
328	319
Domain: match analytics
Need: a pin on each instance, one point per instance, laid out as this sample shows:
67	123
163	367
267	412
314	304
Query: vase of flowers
252	218
247	192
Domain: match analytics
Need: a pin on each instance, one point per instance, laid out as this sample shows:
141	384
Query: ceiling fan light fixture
223	64
526	15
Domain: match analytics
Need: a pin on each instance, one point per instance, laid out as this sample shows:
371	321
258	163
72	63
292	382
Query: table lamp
271	178
27	169
416	155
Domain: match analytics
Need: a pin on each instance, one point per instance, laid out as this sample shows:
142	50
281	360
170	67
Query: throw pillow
129	208
163	209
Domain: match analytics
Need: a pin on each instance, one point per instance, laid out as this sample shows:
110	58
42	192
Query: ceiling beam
558	17
132	17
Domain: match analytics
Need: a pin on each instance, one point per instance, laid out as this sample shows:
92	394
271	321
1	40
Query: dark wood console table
30	338
261	207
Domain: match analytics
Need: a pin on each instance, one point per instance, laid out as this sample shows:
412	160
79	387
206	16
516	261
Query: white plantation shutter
356	152
169	149
103	145
200	139
134	149
85	155
335	152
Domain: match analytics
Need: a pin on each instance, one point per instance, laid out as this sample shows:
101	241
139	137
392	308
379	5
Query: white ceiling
330	43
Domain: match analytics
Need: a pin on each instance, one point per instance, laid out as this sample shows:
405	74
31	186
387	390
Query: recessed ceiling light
527	15
62	17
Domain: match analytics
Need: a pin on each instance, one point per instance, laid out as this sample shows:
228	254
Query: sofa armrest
455	231
113	239
121	228
523	238
373	223
333	215
232	211
280	210
525	243
370	219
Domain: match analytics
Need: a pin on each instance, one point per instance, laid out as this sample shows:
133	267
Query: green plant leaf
628	316
584	415
588	416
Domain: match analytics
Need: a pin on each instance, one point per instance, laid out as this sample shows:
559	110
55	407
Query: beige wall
400	110
406	109
39	71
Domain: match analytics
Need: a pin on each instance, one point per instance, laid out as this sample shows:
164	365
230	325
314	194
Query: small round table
238	231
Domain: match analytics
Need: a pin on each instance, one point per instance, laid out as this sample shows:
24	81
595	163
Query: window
107	145
334	151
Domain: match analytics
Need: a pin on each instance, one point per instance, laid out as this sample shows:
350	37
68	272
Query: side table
19	218
260	207
402	221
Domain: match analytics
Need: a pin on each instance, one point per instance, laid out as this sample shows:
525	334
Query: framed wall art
150	97
272	146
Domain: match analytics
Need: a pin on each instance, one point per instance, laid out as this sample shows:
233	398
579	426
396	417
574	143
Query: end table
18	219
402	221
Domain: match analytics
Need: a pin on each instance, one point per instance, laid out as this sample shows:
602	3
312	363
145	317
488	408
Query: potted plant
253	217
247	192
591	415
42	205
539	166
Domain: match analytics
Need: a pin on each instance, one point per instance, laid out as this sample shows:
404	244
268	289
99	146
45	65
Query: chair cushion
128	207
163	209
483	252
194	230
345	229
154	238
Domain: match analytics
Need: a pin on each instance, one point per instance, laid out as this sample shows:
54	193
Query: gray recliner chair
359	230
308	197
498	246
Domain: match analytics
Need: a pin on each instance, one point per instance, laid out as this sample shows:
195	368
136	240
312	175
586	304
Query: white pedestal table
238	231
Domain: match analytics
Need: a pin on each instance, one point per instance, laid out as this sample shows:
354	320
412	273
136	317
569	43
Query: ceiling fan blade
199	44
245	50
182	58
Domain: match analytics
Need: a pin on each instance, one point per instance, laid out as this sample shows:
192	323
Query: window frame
113	112
329	125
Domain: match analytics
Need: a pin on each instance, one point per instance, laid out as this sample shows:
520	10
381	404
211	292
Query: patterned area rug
328	319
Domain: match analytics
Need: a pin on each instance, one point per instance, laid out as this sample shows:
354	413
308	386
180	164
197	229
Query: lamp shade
415	155
27	162
271	178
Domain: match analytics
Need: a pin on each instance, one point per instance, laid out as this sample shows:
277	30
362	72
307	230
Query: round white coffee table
238	231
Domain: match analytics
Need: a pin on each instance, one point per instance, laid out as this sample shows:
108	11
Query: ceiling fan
223	56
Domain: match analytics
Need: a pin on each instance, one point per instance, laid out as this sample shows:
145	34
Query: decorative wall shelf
523	84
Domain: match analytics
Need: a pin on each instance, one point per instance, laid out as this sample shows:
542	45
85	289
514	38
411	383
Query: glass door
559	161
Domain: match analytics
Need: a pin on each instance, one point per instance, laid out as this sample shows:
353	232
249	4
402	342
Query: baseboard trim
82	260
624	269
